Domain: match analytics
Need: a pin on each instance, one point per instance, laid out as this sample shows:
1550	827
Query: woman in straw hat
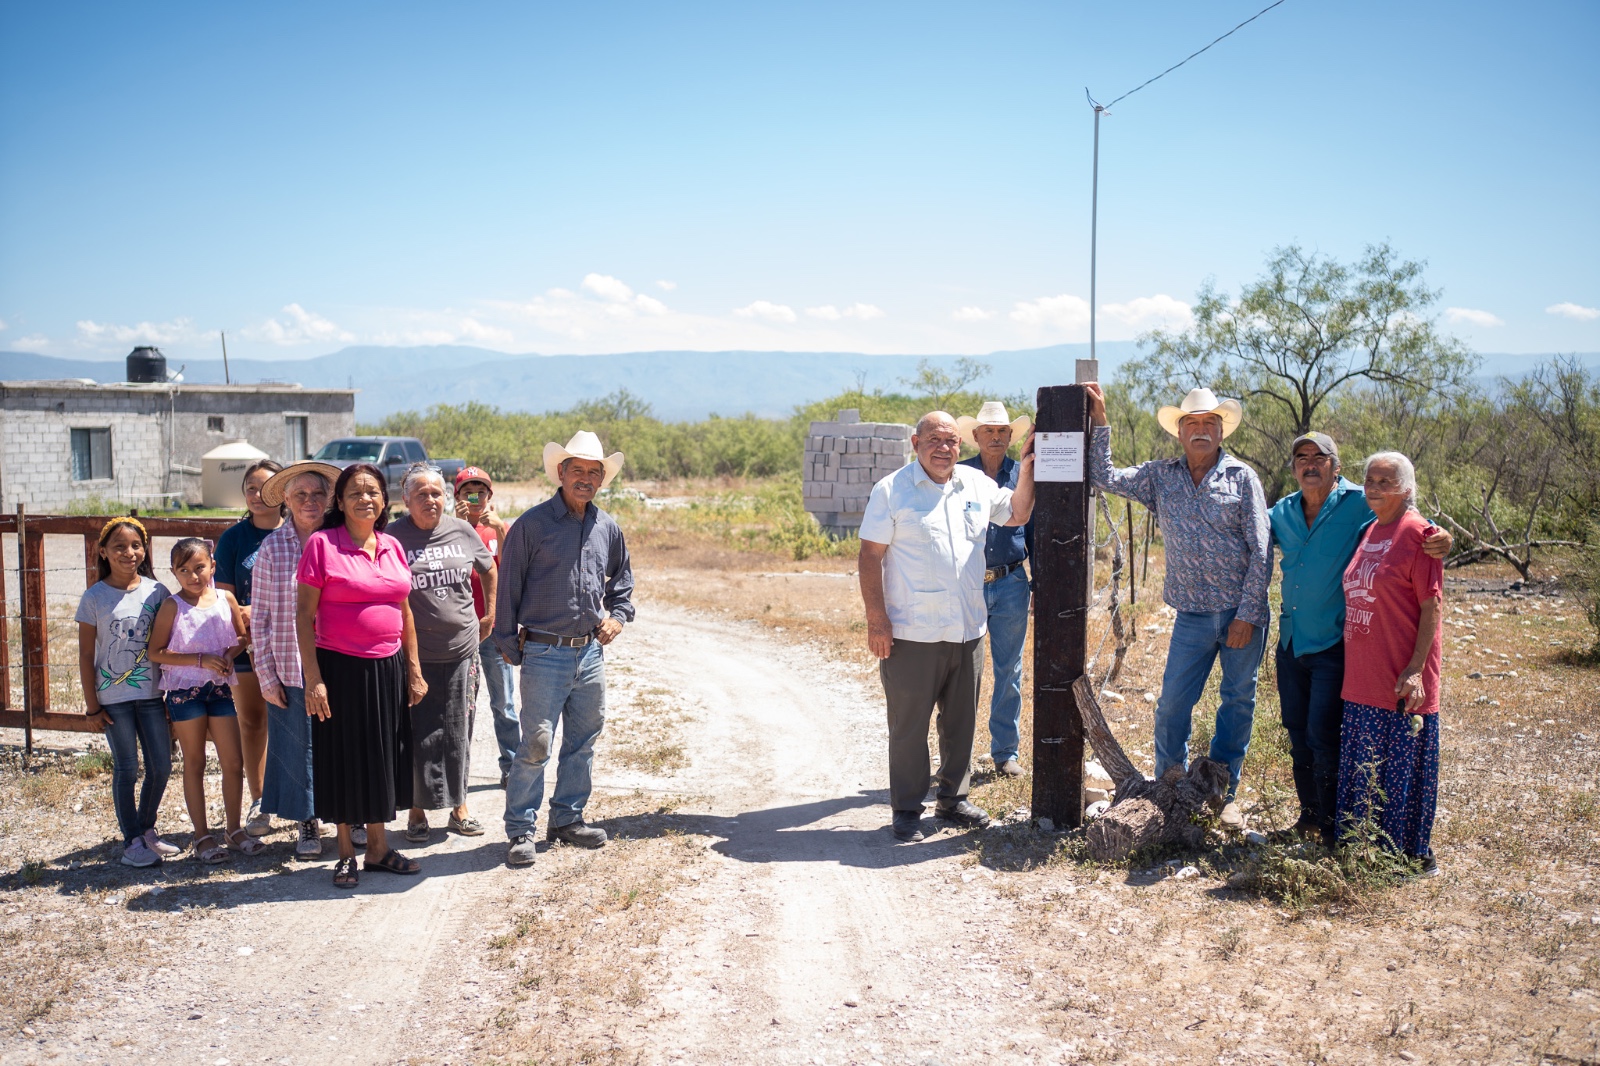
1214	525
566	590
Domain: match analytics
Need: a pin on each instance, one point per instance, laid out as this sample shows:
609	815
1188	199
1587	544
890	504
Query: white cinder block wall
843	460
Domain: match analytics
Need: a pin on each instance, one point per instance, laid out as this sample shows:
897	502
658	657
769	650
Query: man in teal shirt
1317	530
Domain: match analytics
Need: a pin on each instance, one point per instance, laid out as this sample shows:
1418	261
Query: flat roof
163	386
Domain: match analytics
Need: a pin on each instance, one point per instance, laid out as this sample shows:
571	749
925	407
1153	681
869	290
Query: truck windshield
350	451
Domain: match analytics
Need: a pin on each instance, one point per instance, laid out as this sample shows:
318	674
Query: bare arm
1409	686
869	566
87	634
416	688
241	625
305	633
1022	496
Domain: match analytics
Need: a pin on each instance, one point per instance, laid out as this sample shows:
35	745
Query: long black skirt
361	753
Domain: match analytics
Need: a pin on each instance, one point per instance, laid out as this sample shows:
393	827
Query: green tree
939	386
1305	334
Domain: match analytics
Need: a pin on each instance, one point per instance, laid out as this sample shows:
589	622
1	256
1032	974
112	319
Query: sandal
249	845
345	874
395	863
212	854
417	832
467	827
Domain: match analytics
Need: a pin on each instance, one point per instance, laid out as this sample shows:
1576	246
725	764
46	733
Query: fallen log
1144	812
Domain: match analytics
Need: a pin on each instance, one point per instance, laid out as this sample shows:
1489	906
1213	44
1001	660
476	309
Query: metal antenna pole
1094	220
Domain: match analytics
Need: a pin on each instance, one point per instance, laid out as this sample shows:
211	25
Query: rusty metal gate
33	711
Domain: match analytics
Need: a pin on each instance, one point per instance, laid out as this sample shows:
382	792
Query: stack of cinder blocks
844	459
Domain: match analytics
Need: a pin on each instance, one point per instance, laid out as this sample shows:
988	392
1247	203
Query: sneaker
964	813
1429	868
521	850
159	846
358	835
309	846
583	836
907	826
137	854
258	824
1231	817
1009	767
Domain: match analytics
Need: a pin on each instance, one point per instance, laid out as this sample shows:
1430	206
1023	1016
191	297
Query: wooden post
35	637
1062	562
91	560
23	599
5	643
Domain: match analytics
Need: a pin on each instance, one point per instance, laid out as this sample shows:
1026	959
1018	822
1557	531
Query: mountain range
677	385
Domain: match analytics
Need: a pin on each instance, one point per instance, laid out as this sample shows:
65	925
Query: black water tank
147	364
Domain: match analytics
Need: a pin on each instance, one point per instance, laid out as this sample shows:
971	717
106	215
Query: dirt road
808	936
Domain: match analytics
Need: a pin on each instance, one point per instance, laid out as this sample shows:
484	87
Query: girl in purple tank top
196	636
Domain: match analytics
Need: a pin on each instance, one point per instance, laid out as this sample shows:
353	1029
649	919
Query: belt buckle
989	577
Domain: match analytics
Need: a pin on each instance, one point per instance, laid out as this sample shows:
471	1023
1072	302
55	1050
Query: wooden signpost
1063	568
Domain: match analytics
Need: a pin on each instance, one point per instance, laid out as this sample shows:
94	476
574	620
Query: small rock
1091	796
1253	837
1095	810
1476	675
112	901
1186	873
28	1031
1408	1056
1046	824
1095	776
852	1001
1149	697
1115	697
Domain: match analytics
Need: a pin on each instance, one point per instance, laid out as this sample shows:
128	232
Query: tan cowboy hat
993	413
1202	402
272	492
583	445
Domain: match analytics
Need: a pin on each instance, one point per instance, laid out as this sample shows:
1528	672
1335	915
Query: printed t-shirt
359	610
491	540
122	619
1388	580
443	561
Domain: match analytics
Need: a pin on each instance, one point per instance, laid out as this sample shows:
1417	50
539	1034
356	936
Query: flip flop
345	874
394	863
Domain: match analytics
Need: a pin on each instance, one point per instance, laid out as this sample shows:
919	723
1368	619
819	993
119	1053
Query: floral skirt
1391	774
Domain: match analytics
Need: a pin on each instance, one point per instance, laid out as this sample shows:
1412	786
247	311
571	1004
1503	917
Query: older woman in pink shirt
358	651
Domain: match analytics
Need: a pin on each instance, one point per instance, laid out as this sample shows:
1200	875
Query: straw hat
272	492
1202	402
992	413
583	445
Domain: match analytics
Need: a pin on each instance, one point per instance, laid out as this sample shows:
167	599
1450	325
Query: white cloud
607	288
2	325
1473	317
970	314
766	311
827	312
1576	312
34	342
299	326
666	286
863	312
1065	312
1150	312
101	333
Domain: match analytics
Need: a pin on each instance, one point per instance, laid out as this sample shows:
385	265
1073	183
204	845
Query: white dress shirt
933	569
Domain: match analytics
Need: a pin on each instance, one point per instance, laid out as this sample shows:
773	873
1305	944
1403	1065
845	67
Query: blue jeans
286	783
1309	699
135	725
1007	601
566	685
501	677
1197	641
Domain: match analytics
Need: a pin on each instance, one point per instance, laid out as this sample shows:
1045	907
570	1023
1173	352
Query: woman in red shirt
1394	604
358	651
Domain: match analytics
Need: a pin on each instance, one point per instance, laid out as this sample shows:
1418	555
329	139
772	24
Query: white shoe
258	824
159	846
136	854
1231	816
358	835
309	846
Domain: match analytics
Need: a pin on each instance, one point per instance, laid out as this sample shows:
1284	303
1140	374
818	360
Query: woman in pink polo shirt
358	650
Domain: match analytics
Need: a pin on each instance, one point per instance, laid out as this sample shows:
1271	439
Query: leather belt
995	573
552	639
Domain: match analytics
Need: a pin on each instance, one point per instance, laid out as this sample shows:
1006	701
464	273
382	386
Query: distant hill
678	385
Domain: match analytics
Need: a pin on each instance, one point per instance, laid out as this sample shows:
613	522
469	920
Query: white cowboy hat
1202	402
992	413
583	445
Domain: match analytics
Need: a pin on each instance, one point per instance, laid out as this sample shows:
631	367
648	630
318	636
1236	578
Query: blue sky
884	177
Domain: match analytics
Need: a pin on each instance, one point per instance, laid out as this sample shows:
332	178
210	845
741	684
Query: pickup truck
392	455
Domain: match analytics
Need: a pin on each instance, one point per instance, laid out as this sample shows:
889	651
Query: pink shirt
359	611
1388	580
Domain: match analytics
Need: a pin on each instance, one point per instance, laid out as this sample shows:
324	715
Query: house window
214	423
294	427
91	454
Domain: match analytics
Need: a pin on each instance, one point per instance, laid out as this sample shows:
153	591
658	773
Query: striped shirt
274	650
561	575
1216	533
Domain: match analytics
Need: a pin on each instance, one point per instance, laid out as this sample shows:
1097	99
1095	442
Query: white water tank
221	471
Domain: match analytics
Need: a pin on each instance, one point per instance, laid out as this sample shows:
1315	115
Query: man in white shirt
922	566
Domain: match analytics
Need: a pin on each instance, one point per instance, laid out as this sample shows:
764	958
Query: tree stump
1145	812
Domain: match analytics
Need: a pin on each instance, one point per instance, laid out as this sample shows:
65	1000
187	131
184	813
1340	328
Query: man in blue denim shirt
1214	525
1005	582
1317	530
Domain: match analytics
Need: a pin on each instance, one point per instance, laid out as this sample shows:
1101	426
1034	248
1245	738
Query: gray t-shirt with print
442	561
122	619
